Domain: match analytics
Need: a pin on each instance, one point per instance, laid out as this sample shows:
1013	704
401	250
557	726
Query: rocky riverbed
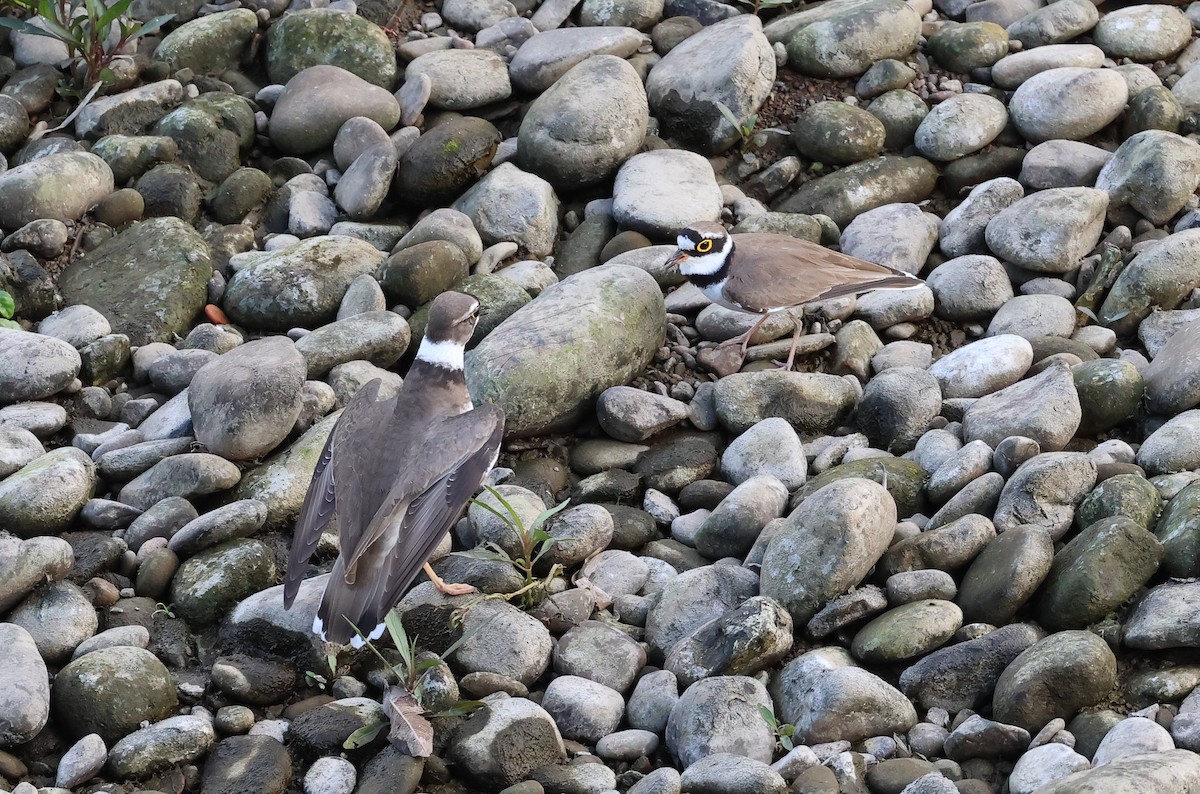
956	550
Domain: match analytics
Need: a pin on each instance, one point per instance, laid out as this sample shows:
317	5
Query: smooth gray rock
1158	277
149	280
829	698
112	690
33	366
1044	408
247	401
318	100
511	205
685	87
1049	231
550	357
550	54
1044	492
62	186
1056	677
502	743
25	703
718	715
462	79
692	599
175	740
983	367
586	125
298	286
1172	447
866	518
1068	102
963	675
660	192
1153	171
44	497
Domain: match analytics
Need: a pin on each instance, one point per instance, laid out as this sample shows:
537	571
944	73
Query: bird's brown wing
332	476
374	575
464	443
433	513
787	271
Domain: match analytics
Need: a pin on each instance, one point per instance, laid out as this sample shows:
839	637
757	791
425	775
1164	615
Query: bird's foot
447	588
455	588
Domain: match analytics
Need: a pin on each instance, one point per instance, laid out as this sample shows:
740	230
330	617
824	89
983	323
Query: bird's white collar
447	355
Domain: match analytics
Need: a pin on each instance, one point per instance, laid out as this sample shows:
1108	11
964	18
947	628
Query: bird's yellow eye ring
704	246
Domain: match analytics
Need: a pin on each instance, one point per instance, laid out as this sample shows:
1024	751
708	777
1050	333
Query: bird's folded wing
363	411
426	502
433	513
786	271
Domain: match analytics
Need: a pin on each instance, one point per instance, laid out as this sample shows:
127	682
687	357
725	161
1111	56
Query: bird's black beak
676	259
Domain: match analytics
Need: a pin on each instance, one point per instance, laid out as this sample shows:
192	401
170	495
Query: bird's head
703	249
452	319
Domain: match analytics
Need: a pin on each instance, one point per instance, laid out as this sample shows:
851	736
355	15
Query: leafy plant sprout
744	127
8	308
535	542
784	731
403	705
93	32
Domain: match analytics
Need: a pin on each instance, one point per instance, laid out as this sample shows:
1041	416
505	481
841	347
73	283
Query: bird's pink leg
447	588
744	339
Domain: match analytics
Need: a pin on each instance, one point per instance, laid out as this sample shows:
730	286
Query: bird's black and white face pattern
703	250
452	319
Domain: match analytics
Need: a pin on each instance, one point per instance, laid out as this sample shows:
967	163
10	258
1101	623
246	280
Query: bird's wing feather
788	271
328	480
469	438
435	510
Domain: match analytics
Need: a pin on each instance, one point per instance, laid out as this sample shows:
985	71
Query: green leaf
21	26
151	26
786	741
395	627
8	307
481	553
428	664
10	324
364	735
729	116
462	708
767	715
454	646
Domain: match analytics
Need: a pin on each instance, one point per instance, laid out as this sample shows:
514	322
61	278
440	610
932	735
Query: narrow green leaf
729	116
21	26
767	715
150	26
364	735
461	709
10	324
428	664
481	553
454	646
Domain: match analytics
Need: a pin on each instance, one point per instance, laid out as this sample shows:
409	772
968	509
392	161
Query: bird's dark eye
704	246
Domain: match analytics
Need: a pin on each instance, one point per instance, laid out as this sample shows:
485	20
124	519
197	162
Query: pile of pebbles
956	552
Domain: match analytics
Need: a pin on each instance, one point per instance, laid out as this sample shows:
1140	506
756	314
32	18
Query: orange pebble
215	315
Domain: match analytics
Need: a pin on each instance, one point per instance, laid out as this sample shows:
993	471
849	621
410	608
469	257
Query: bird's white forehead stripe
682	241
448	355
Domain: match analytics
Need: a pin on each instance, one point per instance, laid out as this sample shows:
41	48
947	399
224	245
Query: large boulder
150	280
555	355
